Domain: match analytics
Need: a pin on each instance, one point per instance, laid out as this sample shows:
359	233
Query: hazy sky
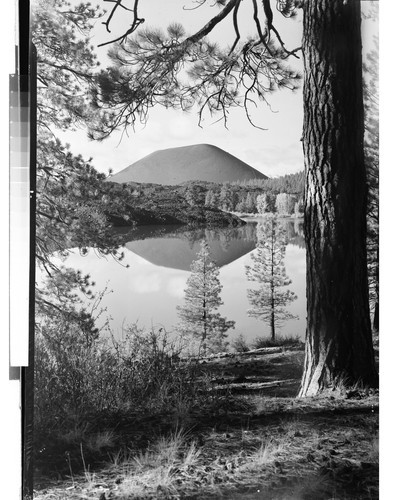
275	151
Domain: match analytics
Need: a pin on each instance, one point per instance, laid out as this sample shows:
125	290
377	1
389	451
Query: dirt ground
257	442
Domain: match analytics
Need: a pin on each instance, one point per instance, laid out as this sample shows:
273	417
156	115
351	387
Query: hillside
199	162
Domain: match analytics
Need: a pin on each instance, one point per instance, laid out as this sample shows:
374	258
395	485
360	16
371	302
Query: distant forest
290	183
284	194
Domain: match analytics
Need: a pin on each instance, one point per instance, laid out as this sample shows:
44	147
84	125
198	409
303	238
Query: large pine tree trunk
338	337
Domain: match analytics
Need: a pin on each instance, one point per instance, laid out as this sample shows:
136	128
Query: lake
159	258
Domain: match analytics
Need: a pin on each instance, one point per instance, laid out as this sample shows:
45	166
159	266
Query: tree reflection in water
159	260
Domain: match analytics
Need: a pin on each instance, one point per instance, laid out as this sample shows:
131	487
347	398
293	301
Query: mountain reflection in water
178	250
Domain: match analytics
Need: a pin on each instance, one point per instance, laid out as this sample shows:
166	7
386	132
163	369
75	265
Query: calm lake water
150	289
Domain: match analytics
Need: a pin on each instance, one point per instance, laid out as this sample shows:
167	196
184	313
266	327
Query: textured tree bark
338	337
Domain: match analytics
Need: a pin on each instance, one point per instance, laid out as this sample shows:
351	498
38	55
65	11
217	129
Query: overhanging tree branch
236	27
213	22
178	70
258	26
137	21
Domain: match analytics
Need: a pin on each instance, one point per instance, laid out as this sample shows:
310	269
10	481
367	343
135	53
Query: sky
275	151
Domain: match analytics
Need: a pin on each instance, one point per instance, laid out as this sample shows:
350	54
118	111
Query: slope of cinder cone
200	162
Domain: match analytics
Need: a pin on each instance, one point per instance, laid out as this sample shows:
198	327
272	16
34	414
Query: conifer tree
225	201
209	198
202	299
192	196
241	206
285	203
270	299
251	203
264	203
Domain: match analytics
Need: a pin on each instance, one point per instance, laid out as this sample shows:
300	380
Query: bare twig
288	52
236	27
106	23
137	21
199	4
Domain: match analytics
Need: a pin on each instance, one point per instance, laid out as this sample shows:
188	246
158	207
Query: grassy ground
252	440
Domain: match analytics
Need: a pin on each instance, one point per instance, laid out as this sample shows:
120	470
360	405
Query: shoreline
244	215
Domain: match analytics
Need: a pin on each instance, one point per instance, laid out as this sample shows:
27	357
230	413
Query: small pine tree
198	315
285	203
209	198
225	199
241	205
191	196
251	203
270	299
265	203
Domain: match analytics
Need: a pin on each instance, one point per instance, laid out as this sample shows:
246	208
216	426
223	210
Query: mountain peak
198	162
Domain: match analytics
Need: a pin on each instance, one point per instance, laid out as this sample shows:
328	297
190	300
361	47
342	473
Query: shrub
240	344
78	381
261	342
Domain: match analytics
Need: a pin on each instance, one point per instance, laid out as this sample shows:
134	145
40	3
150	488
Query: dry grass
157	467
237	447
100	440
268	452
291	458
